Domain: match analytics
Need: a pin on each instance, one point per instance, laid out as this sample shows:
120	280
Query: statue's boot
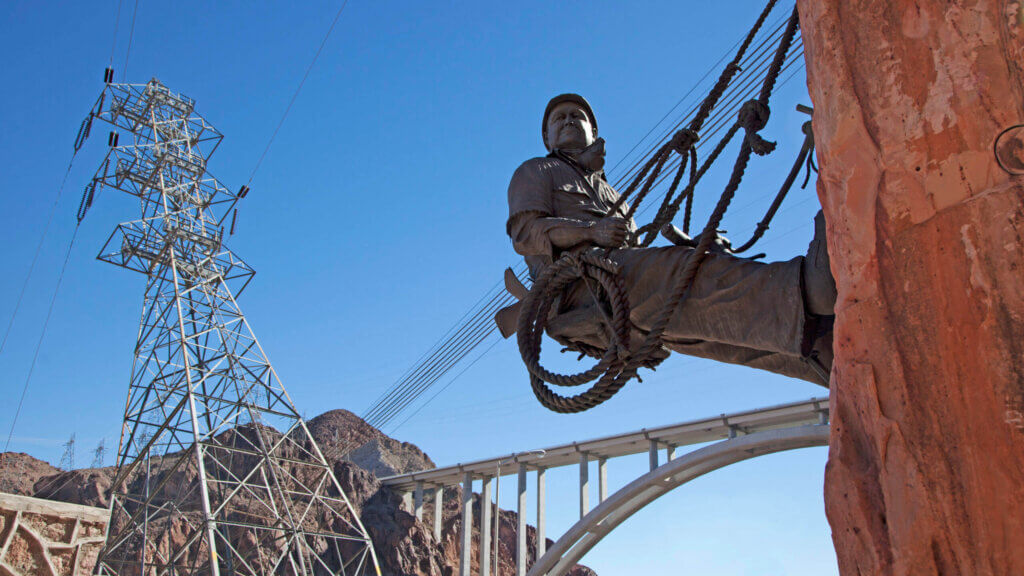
819	289
819	285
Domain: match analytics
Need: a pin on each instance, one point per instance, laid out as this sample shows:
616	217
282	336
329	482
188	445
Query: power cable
445	387
437	352
131	35
480	333
457	335
446	338
296	94
452	355
113	42
764	47
42	335
35	257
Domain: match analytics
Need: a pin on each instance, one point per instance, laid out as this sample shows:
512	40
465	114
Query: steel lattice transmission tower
217	472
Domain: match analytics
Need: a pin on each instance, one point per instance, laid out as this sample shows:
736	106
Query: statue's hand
679	238
610	232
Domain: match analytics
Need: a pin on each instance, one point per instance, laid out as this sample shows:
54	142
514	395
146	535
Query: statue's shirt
547	191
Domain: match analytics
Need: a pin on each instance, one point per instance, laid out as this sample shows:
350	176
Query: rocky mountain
342	434
361	455
19	473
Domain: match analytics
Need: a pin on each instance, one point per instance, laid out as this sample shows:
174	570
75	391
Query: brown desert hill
405	545
19	473
342	434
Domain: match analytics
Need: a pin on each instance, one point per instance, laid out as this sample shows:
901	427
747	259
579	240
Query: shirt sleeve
530	206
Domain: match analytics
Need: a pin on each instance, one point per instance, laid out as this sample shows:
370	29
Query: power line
131	35
297	90
113	42
446	337
479	332
453	338
445	387
39	343
35	257
445	356
777	31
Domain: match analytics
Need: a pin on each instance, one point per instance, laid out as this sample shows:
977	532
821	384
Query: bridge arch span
585	534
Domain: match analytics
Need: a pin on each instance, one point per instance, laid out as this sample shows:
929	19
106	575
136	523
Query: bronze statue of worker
774	316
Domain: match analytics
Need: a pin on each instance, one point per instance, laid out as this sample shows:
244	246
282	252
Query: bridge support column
521	524
485	528
438	511
653	451
418	500
602	479
670	453
466	549
541	515
584	484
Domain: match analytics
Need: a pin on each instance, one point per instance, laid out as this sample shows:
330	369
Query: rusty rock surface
926	465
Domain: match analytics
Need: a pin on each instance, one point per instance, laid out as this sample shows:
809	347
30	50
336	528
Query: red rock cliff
926	467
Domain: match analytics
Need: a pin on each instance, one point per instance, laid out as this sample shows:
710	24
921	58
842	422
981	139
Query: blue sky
377	219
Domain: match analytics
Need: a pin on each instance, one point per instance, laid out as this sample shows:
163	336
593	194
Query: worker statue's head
569	123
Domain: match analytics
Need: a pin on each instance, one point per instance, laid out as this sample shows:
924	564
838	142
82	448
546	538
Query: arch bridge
730	438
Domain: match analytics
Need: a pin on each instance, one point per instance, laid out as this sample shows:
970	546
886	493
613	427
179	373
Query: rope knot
753	117
683	140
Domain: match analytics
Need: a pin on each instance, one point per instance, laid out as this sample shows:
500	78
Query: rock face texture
926	466
360	454
45	538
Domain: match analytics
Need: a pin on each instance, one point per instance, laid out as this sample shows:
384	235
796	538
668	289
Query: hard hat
576	98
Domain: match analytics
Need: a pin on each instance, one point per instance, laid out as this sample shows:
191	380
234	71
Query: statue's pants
738	311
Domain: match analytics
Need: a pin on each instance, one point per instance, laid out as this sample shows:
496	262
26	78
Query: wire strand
445	387
42	335
131	35
296	94
35	257
117	22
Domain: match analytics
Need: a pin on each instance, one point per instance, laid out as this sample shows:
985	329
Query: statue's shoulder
539	164
535	172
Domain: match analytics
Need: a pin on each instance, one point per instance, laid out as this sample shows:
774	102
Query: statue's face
569	127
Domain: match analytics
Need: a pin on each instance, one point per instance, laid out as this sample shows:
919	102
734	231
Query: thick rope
801	161
618	365
687	137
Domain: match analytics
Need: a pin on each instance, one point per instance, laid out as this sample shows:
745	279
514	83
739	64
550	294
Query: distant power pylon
98	454
217	473
67	460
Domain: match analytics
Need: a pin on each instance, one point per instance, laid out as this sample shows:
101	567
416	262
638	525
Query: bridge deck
811	411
